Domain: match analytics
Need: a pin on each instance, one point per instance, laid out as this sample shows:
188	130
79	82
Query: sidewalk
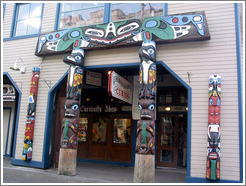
86	173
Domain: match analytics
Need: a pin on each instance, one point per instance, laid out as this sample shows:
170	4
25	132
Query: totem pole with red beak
68	150
145	145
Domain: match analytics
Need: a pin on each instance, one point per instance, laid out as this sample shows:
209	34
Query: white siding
201	58
7	23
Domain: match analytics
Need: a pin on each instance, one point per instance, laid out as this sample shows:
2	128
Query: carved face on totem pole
147	109
76	58
214	85
71	108
148	51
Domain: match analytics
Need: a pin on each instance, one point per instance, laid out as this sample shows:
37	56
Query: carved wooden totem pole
213	148
30	118
68	150
145	147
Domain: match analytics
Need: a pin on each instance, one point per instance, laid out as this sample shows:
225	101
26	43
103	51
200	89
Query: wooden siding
200	58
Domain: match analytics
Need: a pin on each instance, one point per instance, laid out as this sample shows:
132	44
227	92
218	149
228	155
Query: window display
99	130
167	136
82	133
122	130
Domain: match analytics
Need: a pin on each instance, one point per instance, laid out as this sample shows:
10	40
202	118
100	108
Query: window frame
58	14
4	5
15	19
164	10
106	15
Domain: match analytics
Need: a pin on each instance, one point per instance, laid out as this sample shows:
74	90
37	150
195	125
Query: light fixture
22	69
167	108
186	108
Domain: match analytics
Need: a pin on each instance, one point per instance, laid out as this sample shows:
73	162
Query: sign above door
173	28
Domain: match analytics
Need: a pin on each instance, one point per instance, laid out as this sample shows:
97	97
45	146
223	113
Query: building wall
200	58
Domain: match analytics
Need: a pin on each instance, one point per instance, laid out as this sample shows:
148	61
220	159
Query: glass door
167	141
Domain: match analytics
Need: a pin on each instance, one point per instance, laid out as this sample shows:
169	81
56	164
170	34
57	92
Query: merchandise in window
122	130
99	130
124	11
80	14
82	132
28	19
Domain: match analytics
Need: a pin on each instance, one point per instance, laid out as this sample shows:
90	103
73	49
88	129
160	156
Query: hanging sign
119	87
93	78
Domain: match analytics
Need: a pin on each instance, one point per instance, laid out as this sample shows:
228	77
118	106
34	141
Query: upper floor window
28	19
123	11
80	14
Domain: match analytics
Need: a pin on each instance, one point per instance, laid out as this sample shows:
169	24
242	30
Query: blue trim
107	10
104	162
13	27
4	5
49	111
13	21
36	164
204	180
240	100
7	140
188	114
165	9
134	138
57	16
20	37
17	111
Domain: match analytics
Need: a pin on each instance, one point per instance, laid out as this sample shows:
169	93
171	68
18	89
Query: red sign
119	87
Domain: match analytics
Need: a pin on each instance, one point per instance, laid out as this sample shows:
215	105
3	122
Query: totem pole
30	118
144	170
213	147
68	150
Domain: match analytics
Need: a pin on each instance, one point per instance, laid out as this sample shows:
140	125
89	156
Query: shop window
124	11
80	14
99	130
82	132
167	133
122	130
28	19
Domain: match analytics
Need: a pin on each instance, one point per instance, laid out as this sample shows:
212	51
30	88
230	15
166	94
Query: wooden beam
165	29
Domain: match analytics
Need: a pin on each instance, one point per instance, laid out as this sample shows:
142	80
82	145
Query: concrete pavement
86	173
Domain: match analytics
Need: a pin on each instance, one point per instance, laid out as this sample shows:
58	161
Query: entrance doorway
172	140
11	101
106	127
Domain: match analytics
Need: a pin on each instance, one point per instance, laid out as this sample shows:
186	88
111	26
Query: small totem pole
68	150
30	118
213	147
145	147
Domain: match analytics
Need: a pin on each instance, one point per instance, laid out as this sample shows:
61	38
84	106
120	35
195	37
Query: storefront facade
182	92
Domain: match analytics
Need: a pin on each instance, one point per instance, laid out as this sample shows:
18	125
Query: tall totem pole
68	150
213	148
30	118
145	147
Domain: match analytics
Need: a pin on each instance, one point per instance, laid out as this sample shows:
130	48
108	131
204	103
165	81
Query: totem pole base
67	162
144	169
